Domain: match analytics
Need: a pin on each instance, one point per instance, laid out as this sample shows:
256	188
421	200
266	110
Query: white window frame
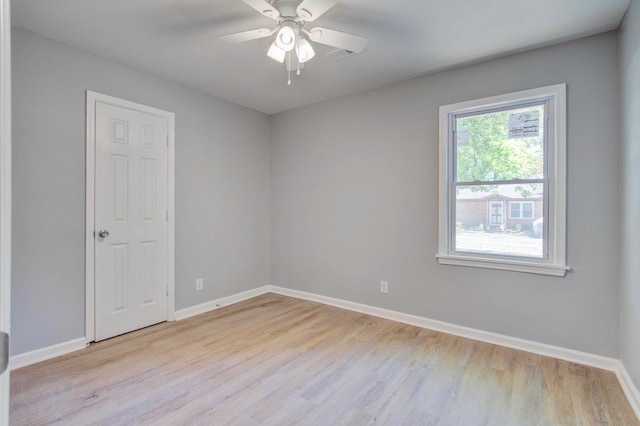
554	263
521	211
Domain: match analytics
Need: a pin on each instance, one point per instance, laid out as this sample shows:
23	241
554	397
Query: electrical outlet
199	284
384	287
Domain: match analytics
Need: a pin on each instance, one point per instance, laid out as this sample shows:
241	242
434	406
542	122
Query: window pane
483	226
515	210
501	145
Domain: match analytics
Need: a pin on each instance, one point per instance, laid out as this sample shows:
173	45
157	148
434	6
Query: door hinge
166	215
167	140
167	289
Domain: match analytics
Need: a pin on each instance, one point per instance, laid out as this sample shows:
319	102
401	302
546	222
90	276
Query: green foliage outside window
489	154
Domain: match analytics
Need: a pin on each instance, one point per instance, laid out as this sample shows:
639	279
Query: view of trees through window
499	181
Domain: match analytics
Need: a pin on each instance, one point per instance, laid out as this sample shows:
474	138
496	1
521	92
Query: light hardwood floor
278	360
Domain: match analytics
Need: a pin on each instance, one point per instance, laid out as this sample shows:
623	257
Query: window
521	210
502	182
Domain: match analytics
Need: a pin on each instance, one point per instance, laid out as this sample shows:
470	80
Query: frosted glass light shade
286	38
276	53
304	50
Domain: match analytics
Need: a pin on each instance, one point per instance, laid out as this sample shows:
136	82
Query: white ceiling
407	38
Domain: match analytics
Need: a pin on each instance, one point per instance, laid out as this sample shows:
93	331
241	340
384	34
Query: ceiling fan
292	16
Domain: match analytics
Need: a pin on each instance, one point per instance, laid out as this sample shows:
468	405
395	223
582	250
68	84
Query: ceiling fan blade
247	35
333	38
263	8
310	10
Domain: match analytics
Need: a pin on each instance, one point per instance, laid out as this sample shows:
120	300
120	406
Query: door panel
148	266
130	204
120	187
119	278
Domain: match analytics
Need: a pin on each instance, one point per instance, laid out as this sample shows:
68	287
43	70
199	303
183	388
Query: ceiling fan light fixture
304	51
286	38
292	44
276	53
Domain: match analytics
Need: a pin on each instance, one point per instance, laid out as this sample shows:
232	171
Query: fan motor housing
287	8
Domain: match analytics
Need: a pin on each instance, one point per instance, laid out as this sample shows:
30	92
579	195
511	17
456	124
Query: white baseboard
585	358
218	303
605	363
457	330
629	388
43	354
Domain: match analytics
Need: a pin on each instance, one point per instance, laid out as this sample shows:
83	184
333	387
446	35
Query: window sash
454	184
514	210
453	143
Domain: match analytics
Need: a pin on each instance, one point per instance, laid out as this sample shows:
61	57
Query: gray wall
222	187
355	201
630	192
353	196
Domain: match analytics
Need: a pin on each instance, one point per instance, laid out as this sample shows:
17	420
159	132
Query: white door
496	214
131	220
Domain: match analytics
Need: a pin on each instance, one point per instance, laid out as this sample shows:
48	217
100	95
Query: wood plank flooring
276	360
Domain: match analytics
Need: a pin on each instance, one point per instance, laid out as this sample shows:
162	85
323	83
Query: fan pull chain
289	68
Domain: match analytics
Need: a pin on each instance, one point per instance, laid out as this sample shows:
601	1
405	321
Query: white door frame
92	98
5	193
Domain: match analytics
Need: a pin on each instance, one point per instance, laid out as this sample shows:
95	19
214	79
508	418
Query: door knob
103	233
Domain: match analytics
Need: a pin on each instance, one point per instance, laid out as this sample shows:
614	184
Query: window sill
504	265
